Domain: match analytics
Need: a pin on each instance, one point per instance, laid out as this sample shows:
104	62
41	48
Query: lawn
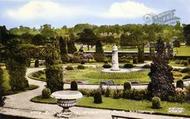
94	76
122	104
182	51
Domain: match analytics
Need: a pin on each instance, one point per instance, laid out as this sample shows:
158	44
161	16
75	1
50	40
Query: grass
122	104
182	51
5	84
94	76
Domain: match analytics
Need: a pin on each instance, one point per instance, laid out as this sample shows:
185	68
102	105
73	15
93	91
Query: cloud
33	10
128	10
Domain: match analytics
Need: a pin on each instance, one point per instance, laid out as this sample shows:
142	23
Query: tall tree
161	84
87	37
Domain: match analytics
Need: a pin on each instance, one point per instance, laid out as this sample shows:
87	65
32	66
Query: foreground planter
66	99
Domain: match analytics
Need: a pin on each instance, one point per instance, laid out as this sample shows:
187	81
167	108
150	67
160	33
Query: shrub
127	94
107	92
69	68
179	84
186	76
1	88
135	60
116	94
97	97
127	86
106	65
128	66
74	85
156	102
185	63
146	66
81	67
37	63
188	60
177	61
54	77
83	62
46	92
138	94
185	70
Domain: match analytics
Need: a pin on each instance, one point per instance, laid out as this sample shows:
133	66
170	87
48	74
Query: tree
54	71
160	74
63	49
16	61
87	37
99	54
186	32
38	39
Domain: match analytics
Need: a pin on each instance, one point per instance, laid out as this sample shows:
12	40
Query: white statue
115	62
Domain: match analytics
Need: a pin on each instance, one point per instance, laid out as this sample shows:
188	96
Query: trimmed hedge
156	103
128	66
98	97
74	85
46	92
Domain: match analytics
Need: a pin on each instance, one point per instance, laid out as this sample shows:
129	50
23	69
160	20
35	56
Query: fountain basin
121	70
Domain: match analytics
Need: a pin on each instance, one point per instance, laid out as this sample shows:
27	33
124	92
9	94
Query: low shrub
156	102
116	94
146	66
127	86
37	63
87	92
97	97
81	67
186	76
185	70
135	60
69	68
128	66
106	65
107	92
46	92
74	85
177	61
179	84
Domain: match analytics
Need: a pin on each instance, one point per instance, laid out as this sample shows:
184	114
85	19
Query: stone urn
66	99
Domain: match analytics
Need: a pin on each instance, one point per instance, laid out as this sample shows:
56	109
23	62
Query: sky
34	13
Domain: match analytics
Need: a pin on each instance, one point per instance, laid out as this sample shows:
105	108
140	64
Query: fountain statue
115	62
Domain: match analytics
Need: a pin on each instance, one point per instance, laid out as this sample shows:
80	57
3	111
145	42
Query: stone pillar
115	62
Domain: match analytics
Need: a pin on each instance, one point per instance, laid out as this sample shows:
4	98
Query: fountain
66	99
115	64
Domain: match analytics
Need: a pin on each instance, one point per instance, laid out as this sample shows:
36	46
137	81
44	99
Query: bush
107	92
147	66
116	94
69	68
156	102
186	77
87	92
135	60
185	70
46	92
185	63
138	94
127	94
127	86
54	77
74	85
179	84
81	67
128	66
177	61
37	63
106	65
97	97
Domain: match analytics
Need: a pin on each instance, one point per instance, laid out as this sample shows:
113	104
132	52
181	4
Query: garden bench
123	117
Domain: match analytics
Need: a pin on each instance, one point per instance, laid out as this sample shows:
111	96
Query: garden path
20	105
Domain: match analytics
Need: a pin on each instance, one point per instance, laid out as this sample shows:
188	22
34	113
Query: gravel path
19	104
